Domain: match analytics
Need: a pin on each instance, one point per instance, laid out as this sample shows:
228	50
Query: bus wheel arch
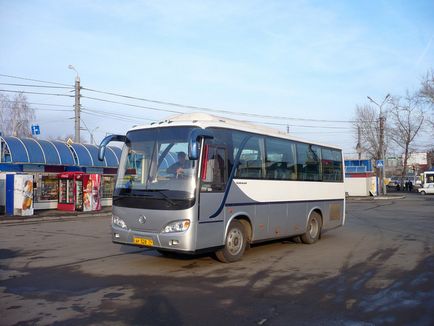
313	228
236	241
248	227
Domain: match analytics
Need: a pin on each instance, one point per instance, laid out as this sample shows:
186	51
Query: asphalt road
377	270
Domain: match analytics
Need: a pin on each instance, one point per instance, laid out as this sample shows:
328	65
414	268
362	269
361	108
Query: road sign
35	130
380	163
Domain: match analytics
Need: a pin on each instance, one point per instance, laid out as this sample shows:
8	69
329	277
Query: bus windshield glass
155	172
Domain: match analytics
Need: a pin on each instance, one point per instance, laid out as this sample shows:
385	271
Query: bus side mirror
193	146
105	141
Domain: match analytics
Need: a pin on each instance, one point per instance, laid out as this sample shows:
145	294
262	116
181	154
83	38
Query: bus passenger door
213	179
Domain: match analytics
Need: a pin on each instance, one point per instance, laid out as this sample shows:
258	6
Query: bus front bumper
177	241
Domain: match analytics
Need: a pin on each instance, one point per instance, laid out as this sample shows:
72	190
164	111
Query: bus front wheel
313	228
235	243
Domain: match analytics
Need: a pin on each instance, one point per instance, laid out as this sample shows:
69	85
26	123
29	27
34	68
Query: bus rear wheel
235	243
313	231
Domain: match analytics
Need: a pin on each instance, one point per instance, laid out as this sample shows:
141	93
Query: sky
306	63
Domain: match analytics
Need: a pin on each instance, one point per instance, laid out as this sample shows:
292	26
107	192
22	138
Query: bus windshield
154	170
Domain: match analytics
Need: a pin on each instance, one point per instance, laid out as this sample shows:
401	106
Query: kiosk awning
34	151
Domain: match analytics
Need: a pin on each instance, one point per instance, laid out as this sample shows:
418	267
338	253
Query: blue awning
15	150
111	157
52	156
65	154
93	150
34	151
44	152
82	155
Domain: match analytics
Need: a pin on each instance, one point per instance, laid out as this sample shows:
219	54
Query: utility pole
359	146
381	150
76	106
380	171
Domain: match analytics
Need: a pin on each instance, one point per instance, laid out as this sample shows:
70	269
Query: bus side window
252	165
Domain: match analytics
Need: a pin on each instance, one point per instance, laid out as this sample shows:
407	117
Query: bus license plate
143	241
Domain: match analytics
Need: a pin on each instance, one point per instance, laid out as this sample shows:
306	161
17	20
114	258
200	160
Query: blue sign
380	163
35	130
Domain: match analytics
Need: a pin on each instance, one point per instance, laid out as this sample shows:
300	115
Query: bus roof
205	120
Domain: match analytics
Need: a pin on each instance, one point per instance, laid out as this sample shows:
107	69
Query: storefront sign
33	168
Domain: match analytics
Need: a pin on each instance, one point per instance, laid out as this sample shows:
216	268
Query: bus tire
313	231
235	243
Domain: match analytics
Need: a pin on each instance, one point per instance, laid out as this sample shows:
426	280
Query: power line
121	115
133	105
105	115
35	93
318	132
167	103
28	85
47	104
57	120
292	125
35	80
110	117
51	110
164	103
213	110
257	122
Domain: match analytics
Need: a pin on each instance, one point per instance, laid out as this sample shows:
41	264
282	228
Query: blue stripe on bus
281	202
213	221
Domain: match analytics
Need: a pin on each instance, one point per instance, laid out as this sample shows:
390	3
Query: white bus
428	178
239	184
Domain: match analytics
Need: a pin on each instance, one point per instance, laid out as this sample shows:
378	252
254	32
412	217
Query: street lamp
91	132
91	136
77	77
381	142
76	105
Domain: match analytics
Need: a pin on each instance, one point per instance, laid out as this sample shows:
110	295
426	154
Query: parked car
427	190
393	183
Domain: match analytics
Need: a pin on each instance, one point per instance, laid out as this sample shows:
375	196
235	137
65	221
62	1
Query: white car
429	189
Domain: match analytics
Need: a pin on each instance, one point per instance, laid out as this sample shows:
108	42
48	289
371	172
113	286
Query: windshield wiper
161	192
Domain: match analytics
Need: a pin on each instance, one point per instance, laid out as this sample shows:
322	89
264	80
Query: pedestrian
410	186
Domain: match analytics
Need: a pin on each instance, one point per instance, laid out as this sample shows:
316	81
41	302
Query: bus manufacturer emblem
142	219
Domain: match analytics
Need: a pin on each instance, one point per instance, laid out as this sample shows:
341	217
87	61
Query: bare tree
367	119
427	93
16	116
427	88
406	120
4	112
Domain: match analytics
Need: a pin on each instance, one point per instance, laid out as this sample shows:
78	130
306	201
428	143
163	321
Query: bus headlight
116	220
177	226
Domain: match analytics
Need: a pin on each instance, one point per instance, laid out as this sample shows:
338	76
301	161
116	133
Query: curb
370	198
389	197
15	220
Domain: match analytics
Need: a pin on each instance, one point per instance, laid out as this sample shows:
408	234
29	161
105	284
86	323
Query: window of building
108	185
48	187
